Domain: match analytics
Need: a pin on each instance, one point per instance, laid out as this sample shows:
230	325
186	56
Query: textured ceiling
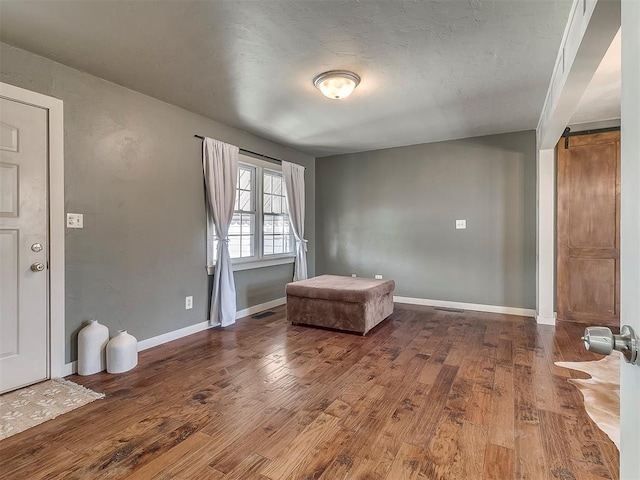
601	100
431	70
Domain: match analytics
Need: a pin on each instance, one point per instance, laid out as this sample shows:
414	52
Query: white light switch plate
75	220
378	276
461	224
188	303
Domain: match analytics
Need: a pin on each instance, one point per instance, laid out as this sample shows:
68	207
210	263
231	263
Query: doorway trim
54	106
591	27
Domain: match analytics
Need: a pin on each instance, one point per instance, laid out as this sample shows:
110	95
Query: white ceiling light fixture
336	84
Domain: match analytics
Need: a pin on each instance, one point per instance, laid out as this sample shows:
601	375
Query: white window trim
270	261
259	260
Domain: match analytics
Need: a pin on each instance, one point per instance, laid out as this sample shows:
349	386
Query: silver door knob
37	267
602	340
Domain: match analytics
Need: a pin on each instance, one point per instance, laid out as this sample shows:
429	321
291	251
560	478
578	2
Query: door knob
37	267
602	340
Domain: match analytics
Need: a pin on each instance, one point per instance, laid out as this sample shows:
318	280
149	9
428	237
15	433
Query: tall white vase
122	352
92	345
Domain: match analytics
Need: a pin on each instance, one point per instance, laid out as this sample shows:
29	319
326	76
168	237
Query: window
259	230
242	229
276	231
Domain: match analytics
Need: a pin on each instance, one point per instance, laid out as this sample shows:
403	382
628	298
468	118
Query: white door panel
630	236
23	223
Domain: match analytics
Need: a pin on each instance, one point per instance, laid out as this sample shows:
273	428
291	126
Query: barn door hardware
566	137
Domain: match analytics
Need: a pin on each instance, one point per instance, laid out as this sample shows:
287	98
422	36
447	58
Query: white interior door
24	336
630	236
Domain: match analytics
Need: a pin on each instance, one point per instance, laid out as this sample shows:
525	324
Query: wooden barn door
589	229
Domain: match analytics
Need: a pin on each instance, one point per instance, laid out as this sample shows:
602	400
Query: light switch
75	220
461	224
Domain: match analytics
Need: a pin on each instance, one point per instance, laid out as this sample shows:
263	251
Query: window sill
250	264
270	261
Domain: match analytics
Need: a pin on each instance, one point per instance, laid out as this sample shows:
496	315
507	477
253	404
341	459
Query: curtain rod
266	157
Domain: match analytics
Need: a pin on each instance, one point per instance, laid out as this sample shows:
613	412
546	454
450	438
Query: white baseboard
169	336
262	306
546	320
71	368
523	312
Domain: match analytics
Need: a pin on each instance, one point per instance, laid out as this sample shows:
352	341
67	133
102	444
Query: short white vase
92	345
122	352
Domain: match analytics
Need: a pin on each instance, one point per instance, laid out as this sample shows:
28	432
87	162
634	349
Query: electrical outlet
188	303
378	276
75	220
353	275
461	224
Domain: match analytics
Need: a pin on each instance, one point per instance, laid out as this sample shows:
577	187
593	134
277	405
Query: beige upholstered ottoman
343	303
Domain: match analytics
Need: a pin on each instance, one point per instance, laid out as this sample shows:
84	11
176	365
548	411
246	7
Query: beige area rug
601	392
33	405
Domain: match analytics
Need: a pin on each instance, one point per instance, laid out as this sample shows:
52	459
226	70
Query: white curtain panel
294	183
220	166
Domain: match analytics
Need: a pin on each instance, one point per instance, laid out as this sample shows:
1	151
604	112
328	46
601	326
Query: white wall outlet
378	276
354	275
188	303
75	220
461	224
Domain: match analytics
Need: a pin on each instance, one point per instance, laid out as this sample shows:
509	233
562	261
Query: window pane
288	244
267	203
267	183
287	225
275	204
247	245
234	228
247	224
244	179
234	247
278	225
268	224
268	245
278	244
244	200
277	185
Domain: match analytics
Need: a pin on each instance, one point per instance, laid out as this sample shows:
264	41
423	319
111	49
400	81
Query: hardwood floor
425	395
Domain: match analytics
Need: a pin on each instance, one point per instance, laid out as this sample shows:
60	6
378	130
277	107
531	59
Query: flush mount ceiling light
336	84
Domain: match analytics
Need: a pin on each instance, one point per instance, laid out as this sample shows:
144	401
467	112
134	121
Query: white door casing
54	134
24	338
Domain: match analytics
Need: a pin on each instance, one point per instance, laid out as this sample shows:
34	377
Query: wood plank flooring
426	395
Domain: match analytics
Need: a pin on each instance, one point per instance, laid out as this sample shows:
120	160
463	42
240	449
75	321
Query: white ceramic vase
92	345
122	352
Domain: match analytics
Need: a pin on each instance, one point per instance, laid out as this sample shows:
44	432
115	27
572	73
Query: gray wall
133	168
393	212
